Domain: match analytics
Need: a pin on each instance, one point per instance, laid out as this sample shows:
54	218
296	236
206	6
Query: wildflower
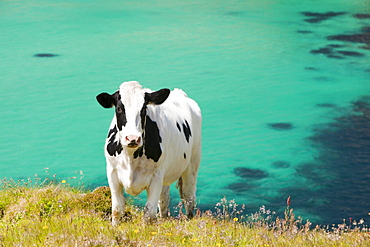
183	241
136	231
168	234
63	181
153	233
218	245
235	219
45	227
195	240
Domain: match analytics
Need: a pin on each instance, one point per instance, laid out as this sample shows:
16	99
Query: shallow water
280	99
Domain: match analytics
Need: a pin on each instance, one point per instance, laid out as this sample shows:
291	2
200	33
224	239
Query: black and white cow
154	139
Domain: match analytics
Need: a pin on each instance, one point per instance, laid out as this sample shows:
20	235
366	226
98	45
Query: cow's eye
119	110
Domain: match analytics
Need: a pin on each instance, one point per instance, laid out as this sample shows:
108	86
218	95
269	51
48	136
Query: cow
154	139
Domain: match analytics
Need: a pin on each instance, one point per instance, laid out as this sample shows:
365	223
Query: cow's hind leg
187	186
164	201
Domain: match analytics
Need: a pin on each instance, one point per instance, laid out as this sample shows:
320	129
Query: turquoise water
249	65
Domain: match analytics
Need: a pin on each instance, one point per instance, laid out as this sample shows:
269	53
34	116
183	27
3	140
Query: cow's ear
105	100
157	97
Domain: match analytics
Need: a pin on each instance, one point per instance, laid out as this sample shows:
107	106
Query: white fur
136	175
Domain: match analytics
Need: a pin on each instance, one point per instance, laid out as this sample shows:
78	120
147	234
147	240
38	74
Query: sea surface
284	88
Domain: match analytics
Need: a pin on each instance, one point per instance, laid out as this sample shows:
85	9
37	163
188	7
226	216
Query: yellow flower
235	219
45	227
218	245
195	240
63	181
168	234
183	241
153	233
136	231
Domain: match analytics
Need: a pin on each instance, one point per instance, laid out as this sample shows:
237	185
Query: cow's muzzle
133	141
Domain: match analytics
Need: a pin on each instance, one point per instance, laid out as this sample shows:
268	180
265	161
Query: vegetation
60	215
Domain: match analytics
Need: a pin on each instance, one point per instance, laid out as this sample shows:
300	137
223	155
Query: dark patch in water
362	16
281	126
326	105
335	56
311	68
335	46
45	55
322	78
234	13
325	51
338	181
331	53
280	164
351	53
355	38
319	17
240	187
304	31
247	173
363	37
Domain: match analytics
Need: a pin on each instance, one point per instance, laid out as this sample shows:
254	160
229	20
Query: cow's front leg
153	191
118	200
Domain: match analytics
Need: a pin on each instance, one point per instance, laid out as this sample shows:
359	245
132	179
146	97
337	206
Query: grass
59	215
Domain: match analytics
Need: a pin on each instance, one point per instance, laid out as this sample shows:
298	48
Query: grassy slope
62	216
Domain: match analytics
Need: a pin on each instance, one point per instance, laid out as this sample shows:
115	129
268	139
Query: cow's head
130	103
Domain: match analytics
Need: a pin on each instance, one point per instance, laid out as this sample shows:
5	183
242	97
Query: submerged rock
280	164
247	173
240	187
319	17
45	55
281	126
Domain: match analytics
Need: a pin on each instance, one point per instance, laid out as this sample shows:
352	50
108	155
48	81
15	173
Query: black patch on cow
143	116
120	114
281	126
178	126
187	130
184	155
45	55
138	152
152	140
247	173
114	148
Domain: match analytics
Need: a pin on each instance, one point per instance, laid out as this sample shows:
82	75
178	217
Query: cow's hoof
150	219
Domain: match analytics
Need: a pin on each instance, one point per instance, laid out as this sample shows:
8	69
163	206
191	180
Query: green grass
59	215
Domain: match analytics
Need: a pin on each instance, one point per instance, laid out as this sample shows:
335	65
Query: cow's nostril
133	139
